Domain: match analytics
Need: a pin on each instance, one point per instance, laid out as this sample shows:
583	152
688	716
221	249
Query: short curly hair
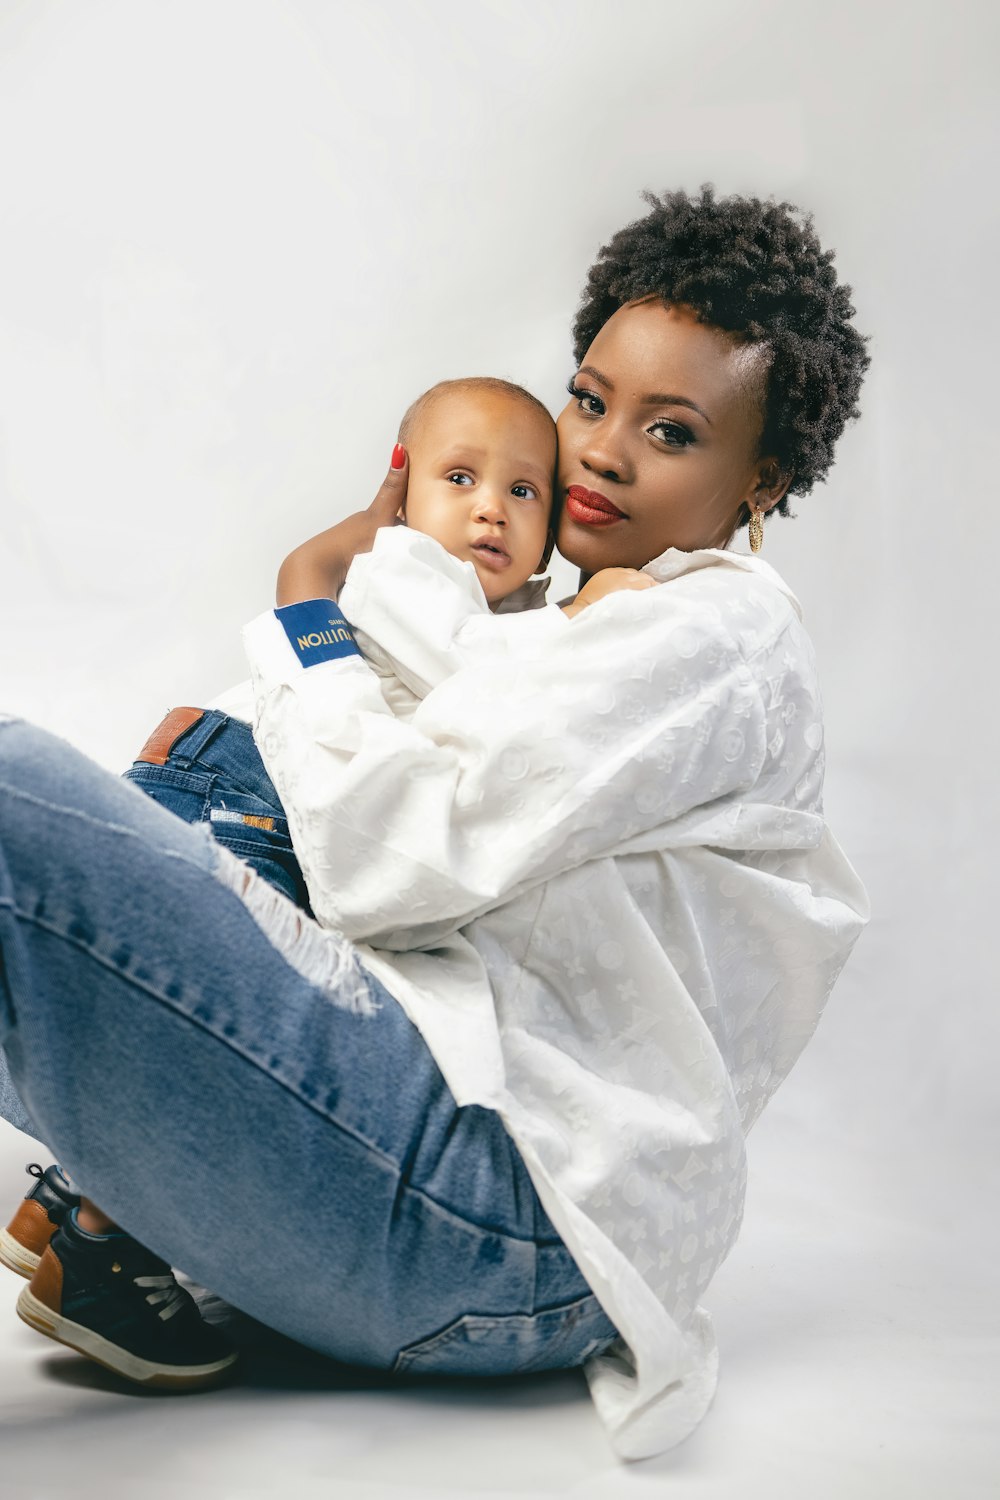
754	268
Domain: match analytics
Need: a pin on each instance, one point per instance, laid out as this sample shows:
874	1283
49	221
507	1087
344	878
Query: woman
592	870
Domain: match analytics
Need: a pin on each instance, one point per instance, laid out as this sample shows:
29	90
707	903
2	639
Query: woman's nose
603	456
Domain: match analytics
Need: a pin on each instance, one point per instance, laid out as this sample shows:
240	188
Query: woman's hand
608	581
317	569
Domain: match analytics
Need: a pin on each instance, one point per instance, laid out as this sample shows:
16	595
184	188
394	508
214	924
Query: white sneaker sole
112	1357
15	1257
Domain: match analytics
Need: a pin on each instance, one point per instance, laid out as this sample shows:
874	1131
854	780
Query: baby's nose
491	507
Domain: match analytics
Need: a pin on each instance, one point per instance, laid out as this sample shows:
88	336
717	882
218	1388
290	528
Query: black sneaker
113	1300
37	1219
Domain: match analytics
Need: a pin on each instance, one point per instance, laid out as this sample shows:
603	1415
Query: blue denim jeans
296	1152
214	774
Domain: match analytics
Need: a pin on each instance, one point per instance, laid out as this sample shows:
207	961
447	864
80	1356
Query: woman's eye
586	400
459	478
673	434
523	492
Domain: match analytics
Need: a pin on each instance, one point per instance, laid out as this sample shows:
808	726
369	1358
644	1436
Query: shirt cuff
283	643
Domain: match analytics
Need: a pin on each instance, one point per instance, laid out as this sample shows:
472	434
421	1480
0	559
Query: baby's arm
427	612
607	581
317	569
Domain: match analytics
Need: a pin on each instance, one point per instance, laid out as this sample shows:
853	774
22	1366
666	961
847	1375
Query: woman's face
658	446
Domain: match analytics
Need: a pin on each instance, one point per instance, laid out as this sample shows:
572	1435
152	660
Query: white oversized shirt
593	868
237	701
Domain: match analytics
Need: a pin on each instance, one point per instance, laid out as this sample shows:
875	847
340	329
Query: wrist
302	577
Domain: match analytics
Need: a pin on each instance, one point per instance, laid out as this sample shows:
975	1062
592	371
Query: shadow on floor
272	1363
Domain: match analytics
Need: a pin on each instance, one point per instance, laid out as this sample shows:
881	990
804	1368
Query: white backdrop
237	239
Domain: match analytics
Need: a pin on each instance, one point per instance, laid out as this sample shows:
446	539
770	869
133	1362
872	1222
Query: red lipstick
591	507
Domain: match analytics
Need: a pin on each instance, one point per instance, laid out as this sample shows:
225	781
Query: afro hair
755	269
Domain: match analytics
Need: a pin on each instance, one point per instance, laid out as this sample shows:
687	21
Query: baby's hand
608	581
317	569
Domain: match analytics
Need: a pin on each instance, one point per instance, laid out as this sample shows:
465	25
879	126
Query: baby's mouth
492	552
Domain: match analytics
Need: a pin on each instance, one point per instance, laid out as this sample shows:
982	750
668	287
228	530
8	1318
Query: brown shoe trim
31	1226
47	1282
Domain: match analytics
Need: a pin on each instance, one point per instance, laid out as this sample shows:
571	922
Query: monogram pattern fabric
592	864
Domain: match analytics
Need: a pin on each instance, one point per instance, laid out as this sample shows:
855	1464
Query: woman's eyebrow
596	375
653	400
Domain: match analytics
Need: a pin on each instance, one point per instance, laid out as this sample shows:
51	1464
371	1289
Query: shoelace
165	1291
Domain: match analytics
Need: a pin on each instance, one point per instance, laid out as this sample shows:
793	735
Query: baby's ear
550	542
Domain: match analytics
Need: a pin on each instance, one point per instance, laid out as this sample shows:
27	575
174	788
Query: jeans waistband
217	743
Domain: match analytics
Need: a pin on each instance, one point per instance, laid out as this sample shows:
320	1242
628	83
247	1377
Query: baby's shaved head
411	418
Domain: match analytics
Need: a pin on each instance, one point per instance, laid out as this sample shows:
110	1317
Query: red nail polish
398	456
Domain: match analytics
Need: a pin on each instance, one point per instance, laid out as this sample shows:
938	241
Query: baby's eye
460	478
523	492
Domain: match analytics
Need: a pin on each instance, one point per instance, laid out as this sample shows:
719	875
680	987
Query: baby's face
481	474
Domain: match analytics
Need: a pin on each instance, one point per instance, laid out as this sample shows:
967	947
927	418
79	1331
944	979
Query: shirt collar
530	595
674	563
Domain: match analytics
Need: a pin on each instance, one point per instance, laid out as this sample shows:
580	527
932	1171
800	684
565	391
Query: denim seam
228	1042
258	849
453	1332
176	776
103	824
237	786
200	735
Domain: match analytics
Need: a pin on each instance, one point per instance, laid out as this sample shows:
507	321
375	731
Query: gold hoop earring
756	530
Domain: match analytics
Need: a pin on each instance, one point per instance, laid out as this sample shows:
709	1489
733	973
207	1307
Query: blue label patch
317	630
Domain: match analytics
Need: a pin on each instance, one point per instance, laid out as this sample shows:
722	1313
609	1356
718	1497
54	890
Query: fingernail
398	456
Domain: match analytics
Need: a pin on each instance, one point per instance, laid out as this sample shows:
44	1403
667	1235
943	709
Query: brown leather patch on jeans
167	733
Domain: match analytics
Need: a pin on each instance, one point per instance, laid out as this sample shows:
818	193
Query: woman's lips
591	508
492	554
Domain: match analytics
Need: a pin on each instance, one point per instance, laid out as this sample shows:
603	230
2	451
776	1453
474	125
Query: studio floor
860	1356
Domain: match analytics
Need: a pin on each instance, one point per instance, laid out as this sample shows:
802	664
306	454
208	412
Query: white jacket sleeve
411	602
509	772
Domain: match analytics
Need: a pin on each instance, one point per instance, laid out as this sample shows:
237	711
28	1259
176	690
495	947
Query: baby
482	466
482	458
